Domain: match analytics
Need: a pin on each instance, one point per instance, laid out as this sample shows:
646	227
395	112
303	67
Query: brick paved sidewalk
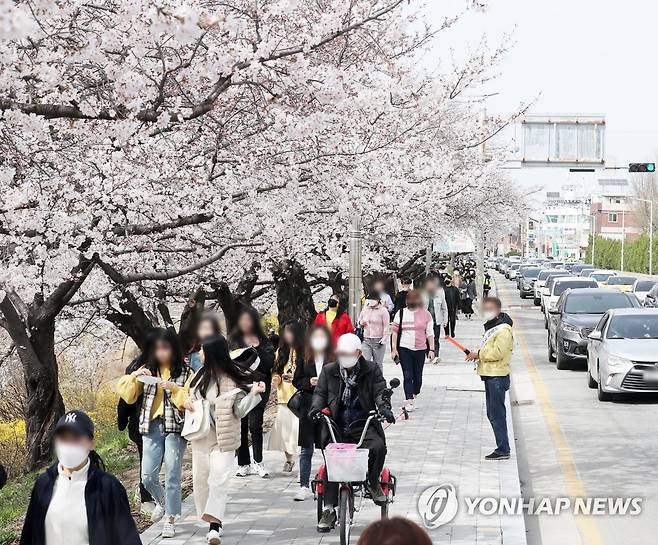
443	442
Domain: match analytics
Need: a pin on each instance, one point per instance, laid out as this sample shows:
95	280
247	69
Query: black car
576	314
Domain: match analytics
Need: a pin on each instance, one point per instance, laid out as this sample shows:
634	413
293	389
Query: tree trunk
36	350
293	294
131	319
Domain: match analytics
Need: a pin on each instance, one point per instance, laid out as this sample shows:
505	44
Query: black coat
128	413
308	435
108	510
329	392
452	298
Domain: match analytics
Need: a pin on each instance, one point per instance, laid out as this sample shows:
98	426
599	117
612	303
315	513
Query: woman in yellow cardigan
283	437
160	386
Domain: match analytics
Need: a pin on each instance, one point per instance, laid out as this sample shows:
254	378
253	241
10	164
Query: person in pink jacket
374	319
412	339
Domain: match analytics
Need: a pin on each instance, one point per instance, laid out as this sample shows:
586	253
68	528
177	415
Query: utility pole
593	236
356	274
623	237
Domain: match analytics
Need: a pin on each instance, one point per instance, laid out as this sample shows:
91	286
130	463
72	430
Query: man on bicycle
350	388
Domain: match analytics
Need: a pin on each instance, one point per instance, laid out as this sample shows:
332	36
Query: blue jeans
305	463
169	448
495	388
412	363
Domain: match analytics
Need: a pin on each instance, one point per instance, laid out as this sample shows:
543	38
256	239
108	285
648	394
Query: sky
573	57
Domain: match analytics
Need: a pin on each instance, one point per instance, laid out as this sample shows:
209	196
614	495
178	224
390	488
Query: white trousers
212	471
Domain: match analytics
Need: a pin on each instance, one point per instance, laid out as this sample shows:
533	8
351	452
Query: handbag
296	404
197	422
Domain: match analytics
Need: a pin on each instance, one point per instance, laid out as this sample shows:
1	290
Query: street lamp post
356	242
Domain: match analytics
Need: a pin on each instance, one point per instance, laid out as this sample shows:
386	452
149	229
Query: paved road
443	442
570	444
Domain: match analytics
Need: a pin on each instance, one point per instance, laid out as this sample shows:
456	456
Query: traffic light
642	167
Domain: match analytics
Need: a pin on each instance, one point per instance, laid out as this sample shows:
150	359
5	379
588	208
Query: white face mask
319	343
71	455
372	302
347	362
489	315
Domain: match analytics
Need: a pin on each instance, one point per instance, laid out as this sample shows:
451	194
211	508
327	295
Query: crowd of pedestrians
214	399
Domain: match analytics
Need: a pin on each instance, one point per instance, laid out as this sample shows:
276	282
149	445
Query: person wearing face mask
434	300
493	365
375	320
335	317
412	340
350	389
76	502
318	354
401	298
452	296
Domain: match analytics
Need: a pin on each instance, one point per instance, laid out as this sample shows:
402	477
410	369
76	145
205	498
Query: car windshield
621	280
554	278
561	287
644	285
515	267
543	275
643	326
531	273
600	277
595	303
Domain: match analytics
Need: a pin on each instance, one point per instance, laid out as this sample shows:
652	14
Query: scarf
350	383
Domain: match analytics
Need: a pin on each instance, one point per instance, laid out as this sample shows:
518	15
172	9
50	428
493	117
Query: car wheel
536	301
551	354
600	393
591	383
563	362
522	295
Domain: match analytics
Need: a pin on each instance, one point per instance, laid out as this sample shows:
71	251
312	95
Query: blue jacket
108	510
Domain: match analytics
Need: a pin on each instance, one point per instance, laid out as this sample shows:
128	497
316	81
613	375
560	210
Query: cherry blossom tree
209	151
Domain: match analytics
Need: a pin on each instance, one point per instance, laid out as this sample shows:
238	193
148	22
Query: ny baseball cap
77	422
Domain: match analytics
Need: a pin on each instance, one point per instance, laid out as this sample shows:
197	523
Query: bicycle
348	466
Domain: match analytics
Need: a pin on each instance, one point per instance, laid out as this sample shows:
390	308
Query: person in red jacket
335	318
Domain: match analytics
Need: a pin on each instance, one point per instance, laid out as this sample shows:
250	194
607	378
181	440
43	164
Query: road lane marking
587	526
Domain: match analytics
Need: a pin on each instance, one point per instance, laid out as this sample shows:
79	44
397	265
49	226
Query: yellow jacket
129	388
496	353
285	390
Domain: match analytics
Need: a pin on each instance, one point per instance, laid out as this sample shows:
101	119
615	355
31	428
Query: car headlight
570	328
618	361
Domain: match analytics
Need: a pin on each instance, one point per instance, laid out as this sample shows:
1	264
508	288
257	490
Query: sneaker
288	466
377	494
410	406
157	513
327	521
497	456
303	493
147	508
243	471
168	530
436	360
259	469
213	537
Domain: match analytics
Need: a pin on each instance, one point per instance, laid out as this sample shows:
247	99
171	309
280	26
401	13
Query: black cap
76	422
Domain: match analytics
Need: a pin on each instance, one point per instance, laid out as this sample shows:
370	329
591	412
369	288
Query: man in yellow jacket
493	366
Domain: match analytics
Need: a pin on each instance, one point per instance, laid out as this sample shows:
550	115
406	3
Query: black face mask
448	284
333	303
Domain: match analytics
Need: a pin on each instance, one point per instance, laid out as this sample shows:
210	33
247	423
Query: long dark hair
395	531
217	362
328	352
214	322
147	358
283	355
237	336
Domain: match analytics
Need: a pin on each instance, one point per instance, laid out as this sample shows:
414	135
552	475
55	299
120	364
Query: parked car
512	270
577	267
642	288
575	316
651	298
601	276
557	286
527	282
622	283
540	282
519	273
622	353
585	271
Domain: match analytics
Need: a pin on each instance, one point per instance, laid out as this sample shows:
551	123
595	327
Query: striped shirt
417	327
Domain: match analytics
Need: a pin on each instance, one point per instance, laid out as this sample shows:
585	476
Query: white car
601	276
541	282
642	287
546	289
560	285
621	353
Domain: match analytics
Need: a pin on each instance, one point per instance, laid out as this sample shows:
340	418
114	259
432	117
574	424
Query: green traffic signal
651	167
642	167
